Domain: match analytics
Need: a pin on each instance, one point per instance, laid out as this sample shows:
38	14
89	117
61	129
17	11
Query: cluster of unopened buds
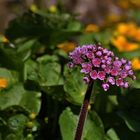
97	62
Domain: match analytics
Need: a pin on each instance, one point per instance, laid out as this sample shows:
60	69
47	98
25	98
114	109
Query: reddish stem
83	112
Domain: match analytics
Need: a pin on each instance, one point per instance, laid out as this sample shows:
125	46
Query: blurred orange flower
122	44
126	37
128	29
3	83
137	35
66	46
136	63
91	28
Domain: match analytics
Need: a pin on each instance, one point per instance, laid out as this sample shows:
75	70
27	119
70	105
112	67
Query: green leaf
17	123
12	137
74	86
31	70
93	129
111	134
67	122
14	128
136	83
47	58
57	92
132	124
103	37
49	74
130	55
27	45
74	26
26	48
10	59
31	101
86	39
17	95
49	71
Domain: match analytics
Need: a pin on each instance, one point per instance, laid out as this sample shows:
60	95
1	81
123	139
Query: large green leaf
49	71
93	129
49	74
29	100
74	86
67	122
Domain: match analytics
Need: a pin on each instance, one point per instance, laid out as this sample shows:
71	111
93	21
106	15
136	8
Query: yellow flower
91	28
119	42
136	63
122	44
3	83
132	29
128	29
122	28
137	35
53	9
131	46
66	46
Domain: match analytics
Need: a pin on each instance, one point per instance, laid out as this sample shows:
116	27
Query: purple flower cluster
97	62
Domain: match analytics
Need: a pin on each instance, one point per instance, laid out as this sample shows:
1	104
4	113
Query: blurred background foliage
40	97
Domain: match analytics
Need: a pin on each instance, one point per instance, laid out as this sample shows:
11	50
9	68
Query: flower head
99	63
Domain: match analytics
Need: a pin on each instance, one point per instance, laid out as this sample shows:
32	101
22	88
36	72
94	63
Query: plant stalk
83	112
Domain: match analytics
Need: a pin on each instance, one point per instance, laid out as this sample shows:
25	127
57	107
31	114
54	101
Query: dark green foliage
43	97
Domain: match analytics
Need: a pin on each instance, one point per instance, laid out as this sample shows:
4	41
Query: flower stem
83	112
